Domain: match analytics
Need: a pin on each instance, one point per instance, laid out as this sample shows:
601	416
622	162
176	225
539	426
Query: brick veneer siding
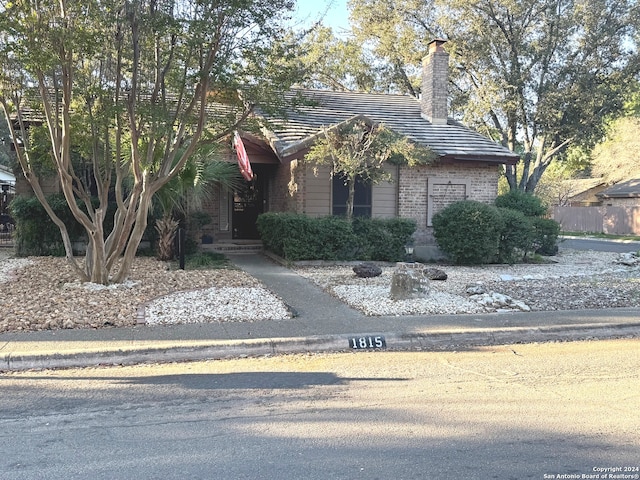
413	199
286	189
279	197
473	182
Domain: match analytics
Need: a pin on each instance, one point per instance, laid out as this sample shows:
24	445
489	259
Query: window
361	201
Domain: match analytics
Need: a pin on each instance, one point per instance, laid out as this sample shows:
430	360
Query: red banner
243	158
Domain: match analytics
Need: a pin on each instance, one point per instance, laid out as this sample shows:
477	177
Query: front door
248	203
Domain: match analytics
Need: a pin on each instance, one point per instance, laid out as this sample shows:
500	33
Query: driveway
600	245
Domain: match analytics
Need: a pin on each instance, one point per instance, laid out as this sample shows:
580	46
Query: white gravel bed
43	293
224	304
572	280
374	301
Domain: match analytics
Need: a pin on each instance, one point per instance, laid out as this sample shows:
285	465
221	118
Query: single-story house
6	176
468	164
622	194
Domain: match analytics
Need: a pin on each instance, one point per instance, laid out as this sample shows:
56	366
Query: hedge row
299	237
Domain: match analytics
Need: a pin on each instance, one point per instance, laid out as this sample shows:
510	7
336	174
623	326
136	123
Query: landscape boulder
409	280
435	274
367	270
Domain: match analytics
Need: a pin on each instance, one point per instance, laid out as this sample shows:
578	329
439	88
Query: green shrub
383	239
273	229
298	237
335	239
529	205
35	233
206	260
193	223
468	231
545	238
516	236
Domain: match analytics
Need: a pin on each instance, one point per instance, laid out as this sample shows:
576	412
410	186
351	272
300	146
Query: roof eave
493	159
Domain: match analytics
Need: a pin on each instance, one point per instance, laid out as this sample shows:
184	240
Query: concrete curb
450	340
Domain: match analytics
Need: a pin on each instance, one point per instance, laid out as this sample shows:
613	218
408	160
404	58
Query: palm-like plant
185	193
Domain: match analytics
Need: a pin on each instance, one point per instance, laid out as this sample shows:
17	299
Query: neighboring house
468	164
7	177
622	194
583	192
617	211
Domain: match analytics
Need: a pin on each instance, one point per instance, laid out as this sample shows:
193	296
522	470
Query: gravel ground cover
574	280
42	293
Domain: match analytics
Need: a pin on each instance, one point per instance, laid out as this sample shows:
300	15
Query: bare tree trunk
351	184
136	237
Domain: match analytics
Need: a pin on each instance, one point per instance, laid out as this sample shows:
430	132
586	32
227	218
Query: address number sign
367	343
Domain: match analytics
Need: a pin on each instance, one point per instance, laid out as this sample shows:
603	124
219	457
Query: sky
336	14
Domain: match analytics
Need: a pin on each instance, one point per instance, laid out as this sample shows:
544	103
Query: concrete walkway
322	323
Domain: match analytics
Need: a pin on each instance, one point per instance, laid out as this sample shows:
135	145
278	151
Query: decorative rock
409	280
435	273
500	302
476	289
630	259
367	270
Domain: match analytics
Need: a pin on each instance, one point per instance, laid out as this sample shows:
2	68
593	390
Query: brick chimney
435	83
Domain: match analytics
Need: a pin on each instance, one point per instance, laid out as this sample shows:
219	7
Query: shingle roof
627	189
289	138
578	186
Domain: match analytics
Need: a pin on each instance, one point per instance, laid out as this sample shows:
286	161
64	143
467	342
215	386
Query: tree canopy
134	88
535	75
616	158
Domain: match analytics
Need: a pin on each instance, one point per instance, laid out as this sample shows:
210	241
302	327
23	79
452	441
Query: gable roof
291	138
626	189
579	186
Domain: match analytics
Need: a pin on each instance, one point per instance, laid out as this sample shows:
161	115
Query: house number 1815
368	342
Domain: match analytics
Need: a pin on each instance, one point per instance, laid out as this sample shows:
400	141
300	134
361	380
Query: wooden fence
611	220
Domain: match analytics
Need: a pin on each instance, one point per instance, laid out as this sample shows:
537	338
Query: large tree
616	158
542	74
134	88
536	75
331	62
397	32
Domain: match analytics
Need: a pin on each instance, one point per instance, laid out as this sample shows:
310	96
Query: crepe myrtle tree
358	149
134	88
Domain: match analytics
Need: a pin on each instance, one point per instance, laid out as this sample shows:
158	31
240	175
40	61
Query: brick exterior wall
450	183
621	202
282	189
287	187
